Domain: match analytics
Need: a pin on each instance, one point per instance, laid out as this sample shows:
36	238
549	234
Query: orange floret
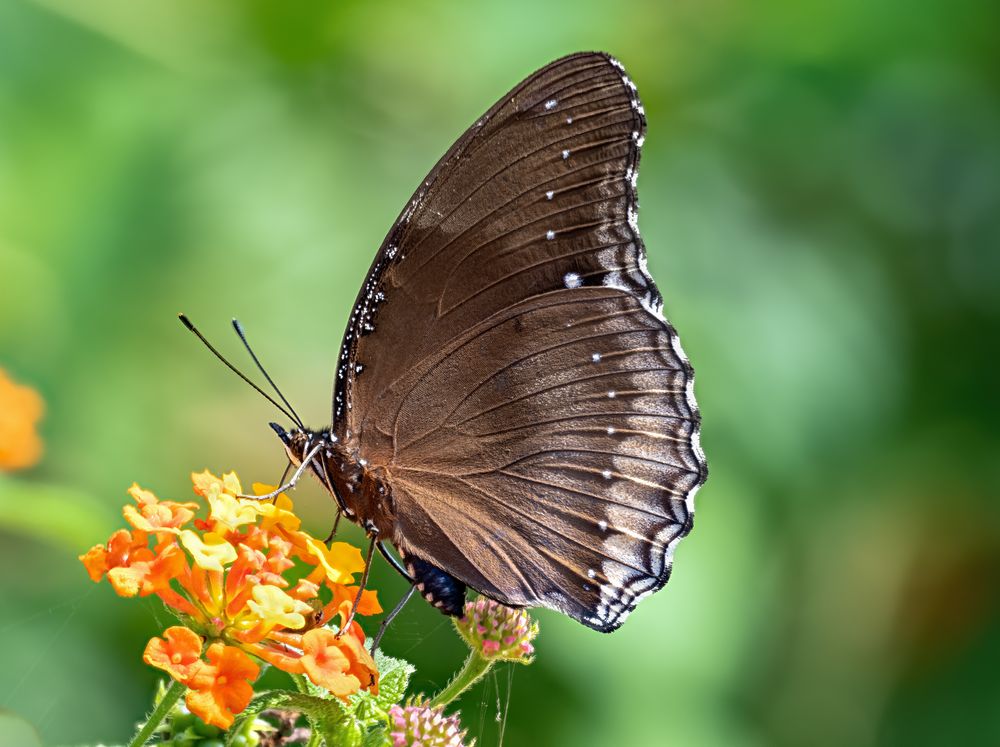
339	664
178	653
221	688
154	515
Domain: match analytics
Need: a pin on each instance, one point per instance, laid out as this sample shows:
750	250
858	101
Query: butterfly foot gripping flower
498	632
421	724
248	586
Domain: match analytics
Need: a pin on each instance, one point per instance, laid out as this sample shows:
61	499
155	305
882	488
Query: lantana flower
421	725
498	632
248	585
21	408
493	633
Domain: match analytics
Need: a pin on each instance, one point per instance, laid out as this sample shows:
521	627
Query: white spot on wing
550	104
572	280
550	234
633	219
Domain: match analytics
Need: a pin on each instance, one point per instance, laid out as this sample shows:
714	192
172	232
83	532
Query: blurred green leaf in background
821	205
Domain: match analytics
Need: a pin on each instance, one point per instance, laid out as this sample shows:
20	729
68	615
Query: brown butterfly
512	411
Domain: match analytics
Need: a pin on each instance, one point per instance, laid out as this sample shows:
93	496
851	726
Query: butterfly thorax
360	489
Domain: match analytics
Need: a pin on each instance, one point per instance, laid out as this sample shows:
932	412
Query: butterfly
511	410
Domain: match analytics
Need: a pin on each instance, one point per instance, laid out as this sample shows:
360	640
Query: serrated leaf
364	708
376	737
361	722
327	715
342	734
258	704
393	680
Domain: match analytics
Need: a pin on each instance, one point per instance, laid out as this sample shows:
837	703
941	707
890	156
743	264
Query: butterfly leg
373	533
395	563
284	473
333	531
390	617
291	483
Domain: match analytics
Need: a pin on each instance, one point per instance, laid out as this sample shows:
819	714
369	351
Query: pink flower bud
498	632
419	724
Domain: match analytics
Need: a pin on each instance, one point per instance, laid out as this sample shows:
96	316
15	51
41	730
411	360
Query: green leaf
393	680
370	712
376	736
327	715
347	733
259	703
361	722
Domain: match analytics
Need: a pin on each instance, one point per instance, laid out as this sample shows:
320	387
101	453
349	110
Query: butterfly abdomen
442	590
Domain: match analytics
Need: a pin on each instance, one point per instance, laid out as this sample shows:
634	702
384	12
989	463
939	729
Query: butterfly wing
507	362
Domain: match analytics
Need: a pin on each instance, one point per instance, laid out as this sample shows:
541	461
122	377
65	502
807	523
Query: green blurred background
821	206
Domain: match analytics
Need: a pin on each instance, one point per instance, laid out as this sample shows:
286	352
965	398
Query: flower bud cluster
423	725
497	632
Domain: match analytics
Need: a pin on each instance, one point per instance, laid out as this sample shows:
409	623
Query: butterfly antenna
243	338
187	323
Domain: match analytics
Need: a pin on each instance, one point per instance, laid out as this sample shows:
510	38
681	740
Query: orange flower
178	653
367	606
248	581
154	515
221	688
148	576
20	409
100	559
340	664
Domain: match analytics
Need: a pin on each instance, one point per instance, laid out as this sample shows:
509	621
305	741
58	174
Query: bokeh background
822	211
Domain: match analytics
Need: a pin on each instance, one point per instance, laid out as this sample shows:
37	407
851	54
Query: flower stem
471	672
162	710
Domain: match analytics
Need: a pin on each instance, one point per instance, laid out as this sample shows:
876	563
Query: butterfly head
299	442
296	441
320	450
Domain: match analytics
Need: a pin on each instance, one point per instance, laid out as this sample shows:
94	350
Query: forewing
538	192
